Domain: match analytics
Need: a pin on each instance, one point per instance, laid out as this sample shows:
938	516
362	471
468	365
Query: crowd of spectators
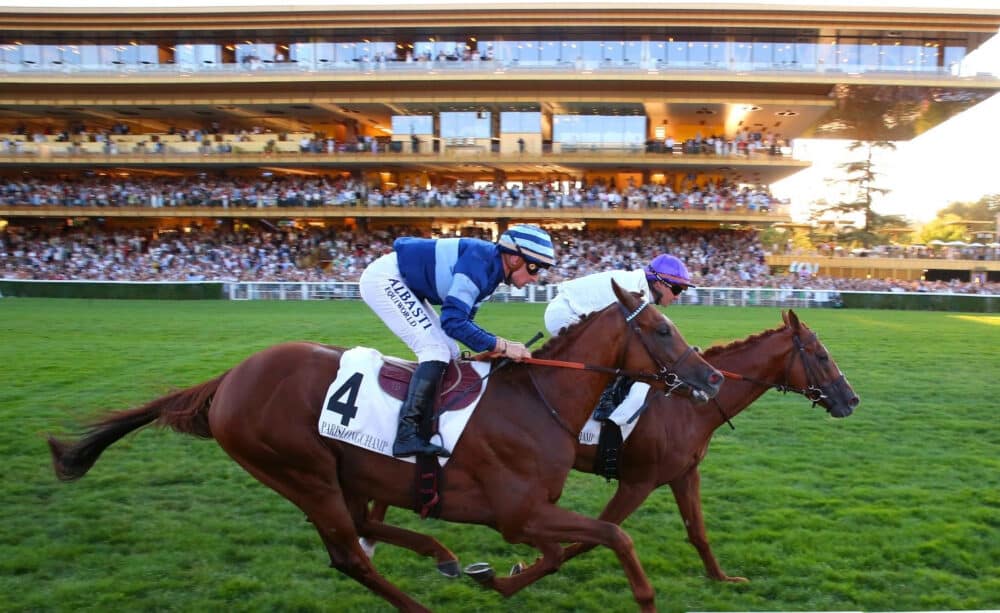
716	258
265	192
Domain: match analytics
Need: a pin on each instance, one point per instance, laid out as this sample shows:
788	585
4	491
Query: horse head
812	370
662	347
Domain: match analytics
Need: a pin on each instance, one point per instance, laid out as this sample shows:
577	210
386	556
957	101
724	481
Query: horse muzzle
705	390
839	398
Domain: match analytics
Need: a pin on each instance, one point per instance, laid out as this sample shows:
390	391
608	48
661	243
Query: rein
813	392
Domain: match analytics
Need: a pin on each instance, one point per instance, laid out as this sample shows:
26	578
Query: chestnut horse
671	436
506	471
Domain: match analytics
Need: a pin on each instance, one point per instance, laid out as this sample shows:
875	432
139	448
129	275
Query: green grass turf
895	508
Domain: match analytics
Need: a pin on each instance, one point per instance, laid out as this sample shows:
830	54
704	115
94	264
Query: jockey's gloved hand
512	349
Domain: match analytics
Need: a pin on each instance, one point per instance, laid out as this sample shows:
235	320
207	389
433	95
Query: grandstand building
556	102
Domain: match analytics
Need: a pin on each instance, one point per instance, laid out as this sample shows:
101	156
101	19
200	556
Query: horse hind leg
325	506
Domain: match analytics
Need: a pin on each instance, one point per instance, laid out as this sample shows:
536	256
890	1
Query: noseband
664	372
814	391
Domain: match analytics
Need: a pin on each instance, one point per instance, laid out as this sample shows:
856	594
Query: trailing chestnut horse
506	470
671	437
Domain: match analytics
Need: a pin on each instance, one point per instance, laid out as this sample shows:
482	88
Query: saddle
459	386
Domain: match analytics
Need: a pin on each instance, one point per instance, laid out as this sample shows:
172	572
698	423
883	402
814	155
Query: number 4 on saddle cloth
362	404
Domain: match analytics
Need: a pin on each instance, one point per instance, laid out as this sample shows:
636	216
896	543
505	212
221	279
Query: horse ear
624	297
791	319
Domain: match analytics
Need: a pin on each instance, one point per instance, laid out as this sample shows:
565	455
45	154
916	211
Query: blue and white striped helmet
530	242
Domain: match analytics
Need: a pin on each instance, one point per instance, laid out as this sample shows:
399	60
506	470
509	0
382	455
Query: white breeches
414	321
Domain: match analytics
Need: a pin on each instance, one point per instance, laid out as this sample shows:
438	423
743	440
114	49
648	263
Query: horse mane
563	336
716	350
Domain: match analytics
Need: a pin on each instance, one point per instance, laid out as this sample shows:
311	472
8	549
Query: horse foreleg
426	545
552	524
687	493
626	500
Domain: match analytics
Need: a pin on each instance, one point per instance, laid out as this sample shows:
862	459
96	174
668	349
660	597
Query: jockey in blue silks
458	274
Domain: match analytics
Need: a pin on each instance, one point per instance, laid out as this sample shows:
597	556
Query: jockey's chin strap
815	391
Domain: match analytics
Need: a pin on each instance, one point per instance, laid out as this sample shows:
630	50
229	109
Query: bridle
664	372
815	391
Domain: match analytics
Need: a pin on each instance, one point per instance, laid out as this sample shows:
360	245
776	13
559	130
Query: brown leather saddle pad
459	387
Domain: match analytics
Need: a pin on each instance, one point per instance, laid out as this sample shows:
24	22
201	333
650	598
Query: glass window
717	54
849	55
763	54
784	54
658	51
325	53
90	56
413	124
869	56
953	56
614	52
634	53
571	51
742	55
591	50
520	121
891	57
928	58
548	52
197	55
347	53
303	52
475	124
677	53
599	130
805	56
525	52
698	53
827	55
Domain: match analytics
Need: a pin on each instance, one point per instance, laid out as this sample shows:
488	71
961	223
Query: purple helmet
668	269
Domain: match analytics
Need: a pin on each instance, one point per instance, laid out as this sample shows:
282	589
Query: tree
945	227
985	209
861	179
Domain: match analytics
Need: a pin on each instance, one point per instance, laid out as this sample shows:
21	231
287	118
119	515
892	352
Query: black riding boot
612	397
419	400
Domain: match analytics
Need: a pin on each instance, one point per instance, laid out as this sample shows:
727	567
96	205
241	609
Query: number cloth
357	411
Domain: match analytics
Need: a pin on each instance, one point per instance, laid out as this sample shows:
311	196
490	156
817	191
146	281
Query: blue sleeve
476	275
456	321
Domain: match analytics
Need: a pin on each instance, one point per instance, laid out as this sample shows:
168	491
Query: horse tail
185	411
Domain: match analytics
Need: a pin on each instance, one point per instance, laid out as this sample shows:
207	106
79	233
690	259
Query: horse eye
822	357
663	330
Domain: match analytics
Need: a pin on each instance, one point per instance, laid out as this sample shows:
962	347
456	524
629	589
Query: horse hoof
449	569
480	572
517	569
